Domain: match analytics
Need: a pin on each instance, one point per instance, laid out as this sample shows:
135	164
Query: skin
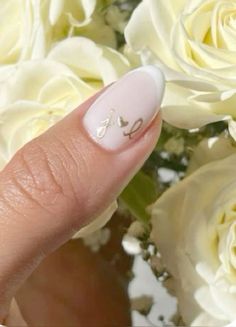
49	190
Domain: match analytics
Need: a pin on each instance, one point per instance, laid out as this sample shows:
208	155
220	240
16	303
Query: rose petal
98	223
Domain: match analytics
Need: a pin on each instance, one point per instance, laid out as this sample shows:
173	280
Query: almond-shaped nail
122	113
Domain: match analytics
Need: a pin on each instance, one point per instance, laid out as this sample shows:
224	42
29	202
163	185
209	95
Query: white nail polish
125	109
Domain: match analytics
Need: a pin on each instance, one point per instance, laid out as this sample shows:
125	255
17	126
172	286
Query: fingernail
122	113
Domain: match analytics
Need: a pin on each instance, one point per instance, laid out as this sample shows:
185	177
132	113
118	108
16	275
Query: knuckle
33	177
73	170
52	176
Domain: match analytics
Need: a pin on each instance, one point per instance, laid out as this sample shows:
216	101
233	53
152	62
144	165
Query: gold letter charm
136	126
105	124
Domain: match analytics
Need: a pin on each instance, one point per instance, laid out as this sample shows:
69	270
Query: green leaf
140	193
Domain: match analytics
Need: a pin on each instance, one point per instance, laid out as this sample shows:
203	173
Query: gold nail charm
135	127
121	122
105	124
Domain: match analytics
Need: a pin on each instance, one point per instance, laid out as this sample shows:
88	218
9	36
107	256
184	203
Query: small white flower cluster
97	239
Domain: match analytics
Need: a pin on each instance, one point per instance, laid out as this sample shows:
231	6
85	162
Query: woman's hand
58	183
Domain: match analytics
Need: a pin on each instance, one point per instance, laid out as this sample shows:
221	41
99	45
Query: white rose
194	228
29	28
208	150
36	94
193	41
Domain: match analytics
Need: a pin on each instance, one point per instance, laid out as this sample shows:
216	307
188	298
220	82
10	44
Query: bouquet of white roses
56	53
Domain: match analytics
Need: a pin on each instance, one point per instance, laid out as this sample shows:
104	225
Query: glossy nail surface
125	109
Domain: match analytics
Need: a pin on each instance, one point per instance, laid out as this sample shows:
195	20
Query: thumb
60	181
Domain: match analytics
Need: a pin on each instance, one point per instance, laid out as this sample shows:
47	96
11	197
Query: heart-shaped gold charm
121	122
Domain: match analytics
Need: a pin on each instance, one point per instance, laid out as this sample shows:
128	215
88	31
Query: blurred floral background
180	209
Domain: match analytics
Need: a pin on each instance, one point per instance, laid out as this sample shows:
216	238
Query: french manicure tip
155	73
